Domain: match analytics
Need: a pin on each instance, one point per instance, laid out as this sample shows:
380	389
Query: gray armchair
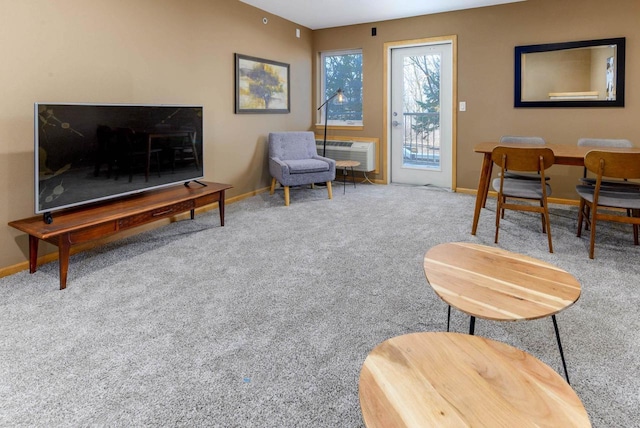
294	161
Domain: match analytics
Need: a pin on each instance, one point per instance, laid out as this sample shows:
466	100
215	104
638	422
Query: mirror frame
620	64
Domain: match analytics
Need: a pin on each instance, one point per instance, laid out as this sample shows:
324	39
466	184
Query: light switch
463	106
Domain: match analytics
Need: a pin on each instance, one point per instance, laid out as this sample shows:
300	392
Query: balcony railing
421	145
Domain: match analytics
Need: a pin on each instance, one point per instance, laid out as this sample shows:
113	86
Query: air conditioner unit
361	151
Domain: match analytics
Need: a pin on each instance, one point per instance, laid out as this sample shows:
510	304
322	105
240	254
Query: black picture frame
261	85
520	51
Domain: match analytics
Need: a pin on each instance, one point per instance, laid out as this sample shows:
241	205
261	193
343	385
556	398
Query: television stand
84	224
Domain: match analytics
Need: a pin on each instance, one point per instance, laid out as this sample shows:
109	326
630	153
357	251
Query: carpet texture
266	322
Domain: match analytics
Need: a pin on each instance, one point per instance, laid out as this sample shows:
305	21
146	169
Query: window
342	70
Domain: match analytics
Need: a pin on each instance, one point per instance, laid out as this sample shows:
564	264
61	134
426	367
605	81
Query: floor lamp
340	100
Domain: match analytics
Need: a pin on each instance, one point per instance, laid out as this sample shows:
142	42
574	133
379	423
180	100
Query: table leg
344	180
448	317
472	325
221	207
564	364
33	253
483	189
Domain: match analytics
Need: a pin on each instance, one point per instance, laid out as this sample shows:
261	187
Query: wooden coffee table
439	379
496	284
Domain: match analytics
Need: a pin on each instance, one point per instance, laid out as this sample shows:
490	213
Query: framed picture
262	86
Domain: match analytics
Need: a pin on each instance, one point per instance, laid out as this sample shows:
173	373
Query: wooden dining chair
603	202
520	140
601	143
521	159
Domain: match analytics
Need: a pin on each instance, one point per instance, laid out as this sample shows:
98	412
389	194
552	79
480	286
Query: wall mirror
588	73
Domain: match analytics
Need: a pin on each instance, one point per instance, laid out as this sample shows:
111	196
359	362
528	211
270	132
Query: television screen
92	152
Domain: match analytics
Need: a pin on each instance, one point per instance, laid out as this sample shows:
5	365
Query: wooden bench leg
33	253
221	207
64	247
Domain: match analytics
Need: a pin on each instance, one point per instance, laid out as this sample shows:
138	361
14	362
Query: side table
437	379
495	284
344	164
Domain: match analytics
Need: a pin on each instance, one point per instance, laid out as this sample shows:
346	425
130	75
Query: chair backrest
292	145
604	142
523	158
515	139
613	164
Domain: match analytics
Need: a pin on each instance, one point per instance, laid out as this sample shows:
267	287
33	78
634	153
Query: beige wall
140	51
177	51
486	41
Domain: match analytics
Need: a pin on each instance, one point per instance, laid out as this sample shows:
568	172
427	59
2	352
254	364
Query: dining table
565	154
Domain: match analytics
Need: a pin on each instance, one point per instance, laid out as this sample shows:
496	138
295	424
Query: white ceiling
317	14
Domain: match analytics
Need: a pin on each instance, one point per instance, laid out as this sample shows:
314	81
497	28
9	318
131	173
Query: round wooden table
496	284
344	164
440	379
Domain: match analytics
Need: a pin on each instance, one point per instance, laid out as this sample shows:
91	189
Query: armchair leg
329	190
273	186
286	196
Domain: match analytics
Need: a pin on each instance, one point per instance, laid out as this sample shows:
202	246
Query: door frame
386	99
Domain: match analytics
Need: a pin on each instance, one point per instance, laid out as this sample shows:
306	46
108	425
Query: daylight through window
342	70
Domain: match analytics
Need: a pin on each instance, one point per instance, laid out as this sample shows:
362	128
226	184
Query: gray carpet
266	321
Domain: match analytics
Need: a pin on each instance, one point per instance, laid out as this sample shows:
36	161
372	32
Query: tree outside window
342	70
422	92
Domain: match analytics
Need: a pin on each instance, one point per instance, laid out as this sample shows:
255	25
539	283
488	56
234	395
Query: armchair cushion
303	166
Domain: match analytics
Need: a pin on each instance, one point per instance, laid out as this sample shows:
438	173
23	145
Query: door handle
396	123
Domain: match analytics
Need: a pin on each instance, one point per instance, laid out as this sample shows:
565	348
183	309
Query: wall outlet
463	106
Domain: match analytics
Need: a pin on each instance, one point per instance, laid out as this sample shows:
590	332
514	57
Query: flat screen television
85	153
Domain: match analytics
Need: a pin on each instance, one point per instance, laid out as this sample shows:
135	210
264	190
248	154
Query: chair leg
498	210
542	216
547	222
635	213
273	186
580	217
329	190
587	211
286	196
592	242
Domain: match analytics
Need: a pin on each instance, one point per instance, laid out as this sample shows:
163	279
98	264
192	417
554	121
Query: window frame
320	113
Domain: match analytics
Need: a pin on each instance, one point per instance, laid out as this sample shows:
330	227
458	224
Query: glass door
421	115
